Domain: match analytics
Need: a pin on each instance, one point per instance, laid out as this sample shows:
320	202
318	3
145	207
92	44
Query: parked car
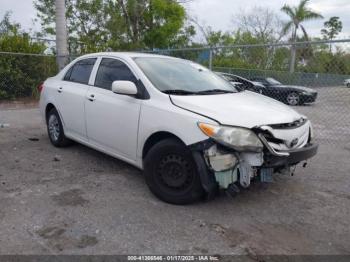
347	82
189	130
242	83
289	94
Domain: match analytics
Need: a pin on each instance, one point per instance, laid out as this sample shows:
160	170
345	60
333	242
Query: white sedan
190	130
347	82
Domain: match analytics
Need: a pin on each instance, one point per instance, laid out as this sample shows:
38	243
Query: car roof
126	55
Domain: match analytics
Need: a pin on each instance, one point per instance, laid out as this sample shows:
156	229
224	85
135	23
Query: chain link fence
318	88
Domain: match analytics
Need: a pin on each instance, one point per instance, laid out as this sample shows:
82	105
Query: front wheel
348	85
293	99
171	173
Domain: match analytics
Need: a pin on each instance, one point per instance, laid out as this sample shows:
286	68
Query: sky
215	13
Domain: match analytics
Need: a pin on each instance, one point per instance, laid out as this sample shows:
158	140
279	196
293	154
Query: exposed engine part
232	190
266	175
220	161
225	178
246	172
253	159
223	164
246	167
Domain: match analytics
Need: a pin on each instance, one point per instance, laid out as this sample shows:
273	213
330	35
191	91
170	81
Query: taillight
41	87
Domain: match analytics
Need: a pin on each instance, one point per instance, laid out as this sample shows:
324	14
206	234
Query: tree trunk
293	52
61	34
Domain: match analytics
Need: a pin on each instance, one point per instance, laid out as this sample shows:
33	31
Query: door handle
92	98
60	89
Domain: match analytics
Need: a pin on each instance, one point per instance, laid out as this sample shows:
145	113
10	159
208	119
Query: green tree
298	15
98	25
332	28
86	23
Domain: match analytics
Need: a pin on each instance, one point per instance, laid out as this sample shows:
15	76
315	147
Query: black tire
55	129
293	99
348	85
171	173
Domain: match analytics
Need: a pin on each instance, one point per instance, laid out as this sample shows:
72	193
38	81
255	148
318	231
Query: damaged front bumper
288	158
222	167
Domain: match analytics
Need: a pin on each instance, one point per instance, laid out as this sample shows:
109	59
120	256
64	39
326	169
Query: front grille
291	125
270	138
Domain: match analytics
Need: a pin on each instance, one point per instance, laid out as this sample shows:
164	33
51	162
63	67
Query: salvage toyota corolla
189	130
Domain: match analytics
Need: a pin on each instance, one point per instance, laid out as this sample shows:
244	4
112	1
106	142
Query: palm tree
297	14
61	33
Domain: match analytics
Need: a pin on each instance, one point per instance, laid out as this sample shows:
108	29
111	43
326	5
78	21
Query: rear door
112	119
71	96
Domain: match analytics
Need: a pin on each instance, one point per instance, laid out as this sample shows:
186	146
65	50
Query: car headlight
238	138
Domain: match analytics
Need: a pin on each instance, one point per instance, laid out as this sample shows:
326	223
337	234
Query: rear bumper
293	157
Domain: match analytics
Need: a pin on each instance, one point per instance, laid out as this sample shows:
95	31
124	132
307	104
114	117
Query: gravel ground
79	201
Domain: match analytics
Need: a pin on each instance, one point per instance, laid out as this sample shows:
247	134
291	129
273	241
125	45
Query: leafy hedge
21	74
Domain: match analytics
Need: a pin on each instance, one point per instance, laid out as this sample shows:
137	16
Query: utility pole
61	34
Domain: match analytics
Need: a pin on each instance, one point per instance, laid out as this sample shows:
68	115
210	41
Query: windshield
273	81
175	76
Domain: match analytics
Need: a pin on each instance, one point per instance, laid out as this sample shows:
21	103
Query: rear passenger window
111	70
80	71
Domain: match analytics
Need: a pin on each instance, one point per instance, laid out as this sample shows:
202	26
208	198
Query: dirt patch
71	197
51	232
57	239
86	241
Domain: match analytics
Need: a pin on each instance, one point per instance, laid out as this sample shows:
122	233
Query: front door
111	119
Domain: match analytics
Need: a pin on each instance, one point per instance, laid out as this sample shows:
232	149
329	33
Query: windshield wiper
216	91
178	92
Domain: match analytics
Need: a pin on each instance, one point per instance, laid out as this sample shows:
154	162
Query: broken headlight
238	138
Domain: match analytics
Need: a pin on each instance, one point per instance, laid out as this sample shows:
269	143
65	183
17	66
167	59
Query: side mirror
124	88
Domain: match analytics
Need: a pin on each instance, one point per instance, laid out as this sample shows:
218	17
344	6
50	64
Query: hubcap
54	127
175	172
293	99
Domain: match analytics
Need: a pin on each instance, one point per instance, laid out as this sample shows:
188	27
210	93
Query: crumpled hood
244	109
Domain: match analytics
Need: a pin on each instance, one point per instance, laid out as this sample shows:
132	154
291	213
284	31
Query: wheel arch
155	138
48	108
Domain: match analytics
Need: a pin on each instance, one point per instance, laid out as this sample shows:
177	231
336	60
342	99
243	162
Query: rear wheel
55	129
171	173
293	99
